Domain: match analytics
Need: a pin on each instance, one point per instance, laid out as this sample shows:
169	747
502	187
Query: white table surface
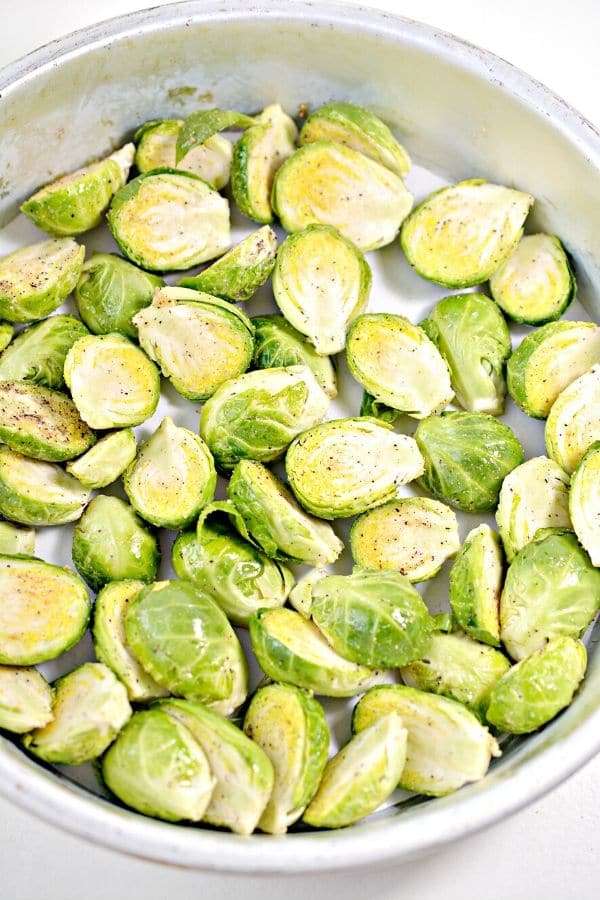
549	850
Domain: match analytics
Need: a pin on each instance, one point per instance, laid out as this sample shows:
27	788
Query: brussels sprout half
345	466
325	183
16	541
198	341
77	202
574	420
156	145
414	535
551	590
106	461
112	382
584	502
321	283
25	699
476	580
238	274
471	334
38	493
548	360
277	343
35	280
459	235
38	353
6	334
167	219
44	610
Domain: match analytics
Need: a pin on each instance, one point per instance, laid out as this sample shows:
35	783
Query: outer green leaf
201	125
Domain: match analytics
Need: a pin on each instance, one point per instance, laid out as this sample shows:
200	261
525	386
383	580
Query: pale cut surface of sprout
573	424
38	353
238	274
25	699
105	461
300	597
584	502
15	540
35	280
476	580
33	492
211	161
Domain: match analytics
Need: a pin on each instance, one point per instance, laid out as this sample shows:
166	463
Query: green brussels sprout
548	360
345	466
551	590
165	220
6	334
257	156
459	235
467	457
372	618
110	292
584	502
275	521
110	643
111	543
277	343
375	409
16	541
172	477
534	495
397	364
77	202
574	420
290	727
89	709
38	493
42	423
471	334
105	461
324	183
238	274
198	127
38	353
359	129
457	667
157	767
447	746
25	699
300	597
112	382
291	649
198	341
413	535
35	280
243	773
535	690
536	283
361	776
257	415
476	580
156	144
321	283
47	614
183	640
237	575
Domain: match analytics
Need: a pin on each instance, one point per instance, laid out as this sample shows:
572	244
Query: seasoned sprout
38	353
551	590
38	493
16	541
397	364
89	709
534	495
25	699
257	415
198	341
157	767
110	543
77	202
535	690
113	383
361	776
375	619
35	280
548	360
321	283
6	334
156	143
293	650
476	580
535	284
106	461
238	275
359	129
275	521
110	292
459	235
48	610
584	502
574	421
345	466
413	535
41	423
277	343
325	183
172	477
471	334
447	746
467	457
290	727
167	219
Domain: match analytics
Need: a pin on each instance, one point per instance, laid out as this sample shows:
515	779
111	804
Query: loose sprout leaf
277	343
106	460
584	502
300	597
33	492
25	699
156	149
16	541
35	280
38	353
238	274
201	125
375	409
574	420
476	580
